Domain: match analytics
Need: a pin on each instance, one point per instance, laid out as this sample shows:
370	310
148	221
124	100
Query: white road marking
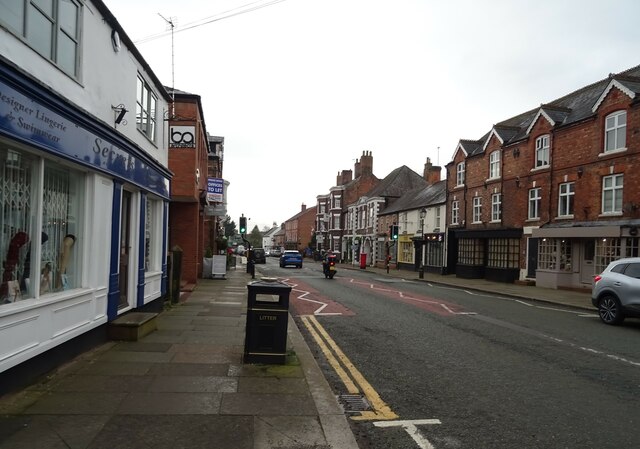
412	430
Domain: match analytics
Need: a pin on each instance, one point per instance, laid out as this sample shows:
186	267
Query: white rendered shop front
83	219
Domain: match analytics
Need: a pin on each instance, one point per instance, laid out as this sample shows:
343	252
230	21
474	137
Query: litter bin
267	321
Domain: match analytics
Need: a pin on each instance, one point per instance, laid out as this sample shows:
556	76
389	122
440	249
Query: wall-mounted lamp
580	172
119	112
485	184
516	152
518	181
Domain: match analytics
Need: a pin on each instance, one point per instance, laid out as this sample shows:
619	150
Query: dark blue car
291	258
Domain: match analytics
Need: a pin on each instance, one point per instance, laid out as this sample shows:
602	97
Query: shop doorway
586	261
125	249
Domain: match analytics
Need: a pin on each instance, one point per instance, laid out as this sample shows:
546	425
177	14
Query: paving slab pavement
182	386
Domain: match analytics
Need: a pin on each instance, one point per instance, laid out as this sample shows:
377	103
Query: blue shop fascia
83	222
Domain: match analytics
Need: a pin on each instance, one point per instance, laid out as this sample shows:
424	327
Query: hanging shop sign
215	190
182	137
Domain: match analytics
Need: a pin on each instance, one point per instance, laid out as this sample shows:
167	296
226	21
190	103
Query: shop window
61	190
50	27
153	236
434	253
606	251
406	252
555	254
470	252
503	253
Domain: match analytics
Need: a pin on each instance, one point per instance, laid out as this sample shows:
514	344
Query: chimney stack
431	172
304	207
366	163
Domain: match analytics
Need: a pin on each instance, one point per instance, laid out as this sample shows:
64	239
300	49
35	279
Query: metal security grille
15	216
55	217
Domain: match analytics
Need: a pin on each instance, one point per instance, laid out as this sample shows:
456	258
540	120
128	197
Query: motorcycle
329	266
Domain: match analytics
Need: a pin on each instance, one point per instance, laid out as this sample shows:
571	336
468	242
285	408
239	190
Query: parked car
276	253
616	291
290	257
259	255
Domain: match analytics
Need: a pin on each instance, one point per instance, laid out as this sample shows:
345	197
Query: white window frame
494	164
535	199
146	109
566	192
496	207
477	209
612	190
615	131
455	212
542	152
460	169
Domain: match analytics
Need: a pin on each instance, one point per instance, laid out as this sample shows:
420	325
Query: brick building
332	210
299	229
188	160
550	195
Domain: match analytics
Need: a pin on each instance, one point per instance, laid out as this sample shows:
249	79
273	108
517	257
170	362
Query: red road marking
305	300
427	303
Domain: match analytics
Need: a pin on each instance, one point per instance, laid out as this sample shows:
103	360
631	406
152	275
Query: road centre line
381	410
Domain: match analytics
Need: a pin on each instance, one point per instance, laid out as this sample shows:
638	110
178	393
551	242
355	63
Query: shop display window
30	186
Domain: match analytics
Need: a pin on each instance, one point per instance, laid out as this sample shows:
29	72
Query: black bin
267	321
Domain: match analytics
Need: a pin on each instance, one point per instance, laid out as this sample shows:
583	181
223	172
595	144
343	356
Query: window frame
617	192
455	212
496	207
566	199
145	96
543	147
534	203
494	164
477	209
460	174
614	131
31	10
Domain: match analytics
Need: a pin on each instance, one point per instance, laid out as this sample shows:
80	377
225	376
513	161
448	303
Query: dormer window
542	151
615	134
460	174
494	165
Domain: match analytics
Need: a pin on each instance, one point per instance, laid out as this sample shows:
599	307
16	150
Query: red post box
363	261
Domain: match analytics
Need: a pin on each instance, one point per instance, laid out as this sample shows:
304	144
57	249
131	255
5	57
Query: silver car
616	291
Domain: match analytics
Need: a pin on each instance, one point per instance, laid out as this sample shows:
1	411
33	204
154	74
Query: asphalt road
464	370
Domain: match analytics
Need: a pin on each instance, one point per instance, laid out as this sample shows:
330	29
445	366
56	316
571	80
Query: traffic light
394	232
243	225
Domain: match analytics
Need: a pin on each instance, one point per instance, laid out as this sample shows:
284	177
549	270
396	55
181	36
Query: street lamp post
423	214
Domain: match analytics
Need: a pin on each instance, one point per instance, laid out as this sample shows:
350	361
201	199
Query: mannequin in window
65	253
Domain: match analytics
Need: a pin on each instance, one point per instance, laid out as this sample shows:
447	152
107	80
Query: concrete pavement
182	386
185	386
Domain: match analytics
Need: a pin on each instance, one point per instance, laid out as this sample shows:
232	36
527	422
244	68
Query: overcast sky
300	88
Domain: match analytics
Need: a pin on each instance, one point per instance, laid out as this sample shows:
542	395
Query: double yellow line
352	379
